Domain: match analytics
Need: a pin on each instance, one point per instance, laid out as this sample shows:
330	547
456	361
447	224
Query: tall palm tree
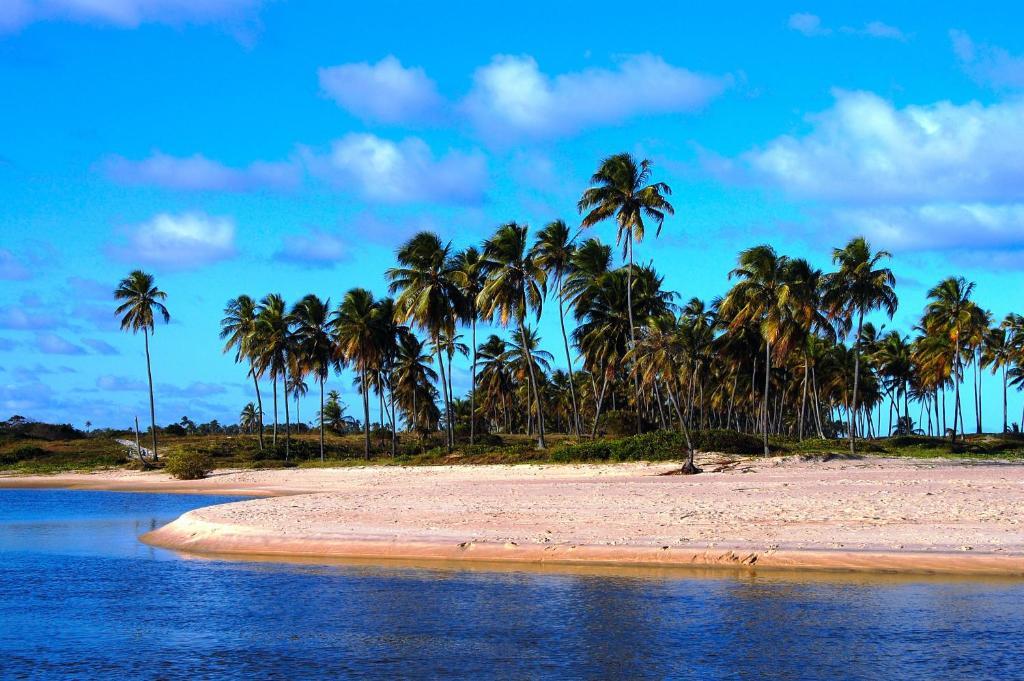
238	328
621	190
141	297
515	285
314	345
471	279
429	295
414	379
356	335
554	252
274	342
949	313
248	419
762	296
999	354
859	286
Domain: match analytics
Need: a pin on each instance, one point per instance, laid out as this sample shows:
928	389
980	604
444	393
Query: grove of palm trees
789	353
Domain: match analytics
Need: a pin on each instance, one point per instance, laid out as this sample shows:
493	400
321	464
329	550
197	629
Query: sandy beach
925	516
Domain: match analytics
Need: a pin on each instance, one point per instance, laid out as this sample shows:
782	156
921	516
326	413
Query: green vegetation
188	464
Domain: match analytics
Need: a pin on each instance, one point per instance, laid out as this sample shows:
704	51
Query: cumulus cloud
385	92
988	63
808	24
24	318
179	241
16	14
511	98
940	226
52	344
316	248
397	172
865	149
198	173
101	347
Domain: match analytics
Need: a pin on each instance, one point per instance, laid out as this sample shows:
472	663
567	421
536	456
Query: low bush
189	465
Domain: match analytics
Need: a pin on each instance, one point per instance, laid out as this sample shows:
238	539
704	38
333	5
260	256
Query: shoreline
881	516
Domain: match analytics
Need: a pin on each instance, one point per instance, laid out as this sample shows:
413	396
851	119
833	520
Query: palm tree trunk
632	327
568	359
956	382
600	403
803	403
767	373
259	402
977	393
472	390
287	421
275	412
444	393
541	444
1005	416
152	406
321	417
856	379
366	409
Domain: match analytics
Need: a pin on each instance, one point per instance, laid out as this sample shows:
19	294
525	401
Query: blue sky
238	146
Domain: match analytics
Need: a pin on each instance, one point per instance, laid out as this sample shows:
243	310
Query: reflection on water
81	597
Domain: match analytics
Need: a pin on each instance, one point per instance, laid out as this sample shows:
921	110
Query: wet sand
871	514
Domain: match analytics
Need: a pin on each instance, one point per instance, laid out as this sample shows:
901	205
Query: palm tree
554	252
427	281
858	287
471	279
356	335
762	296
999	354
621	190
249	419
515	284
495	378
141	297
273	342
239	329
949	313
314	346
414	378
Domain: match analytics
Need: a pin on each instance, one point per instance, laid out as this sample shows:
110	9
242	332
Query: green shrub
618	423
19	453
189	465
598	450
726	442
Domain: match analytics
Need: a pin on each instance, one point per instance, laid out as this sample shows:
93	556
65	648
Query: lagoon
80	596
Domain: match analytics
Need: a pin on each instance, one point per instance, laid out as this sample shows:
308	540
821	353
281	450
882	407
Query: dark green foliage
188	465
620	423
662	445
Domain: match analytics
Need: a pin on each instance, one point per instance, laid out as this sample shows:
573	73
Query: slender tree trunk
287	420
366	409
856	380
732	398
259	402
541	444
803	402
152	406
1005	415
568	360
472	391
767	373
600	403
956	382
275	413
321	417
632	326
444	393
977	392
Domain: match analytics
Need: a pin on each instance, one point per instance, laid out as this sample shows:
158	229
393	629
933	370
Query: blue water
80	597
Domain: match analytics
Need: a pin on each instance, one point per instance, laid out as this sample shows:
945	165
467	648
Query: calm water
81	597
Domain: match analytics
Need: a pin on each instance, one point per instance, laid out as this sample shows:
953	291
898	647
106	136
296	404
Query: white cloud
939	226
382	170
52	344
200	173
511	98
808	24
179	241
317	248
865	149
988	63
384	92
16	14
878	29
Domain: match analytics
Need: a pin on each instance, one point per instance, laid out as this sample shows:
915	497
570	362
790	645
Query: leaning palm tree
515	285
621	190
858	287
427	282
141	297
314	346
355	333
238	328
554	252
762	296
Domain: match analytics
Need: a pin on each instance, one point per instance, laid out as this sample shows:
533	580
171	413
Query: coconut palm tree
249	419
858	287
427	281
314	345
621	190
998	353
238	328
414	382
515	285
949	313
762	296
471	280
274	343
356	335
140	298
554	251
